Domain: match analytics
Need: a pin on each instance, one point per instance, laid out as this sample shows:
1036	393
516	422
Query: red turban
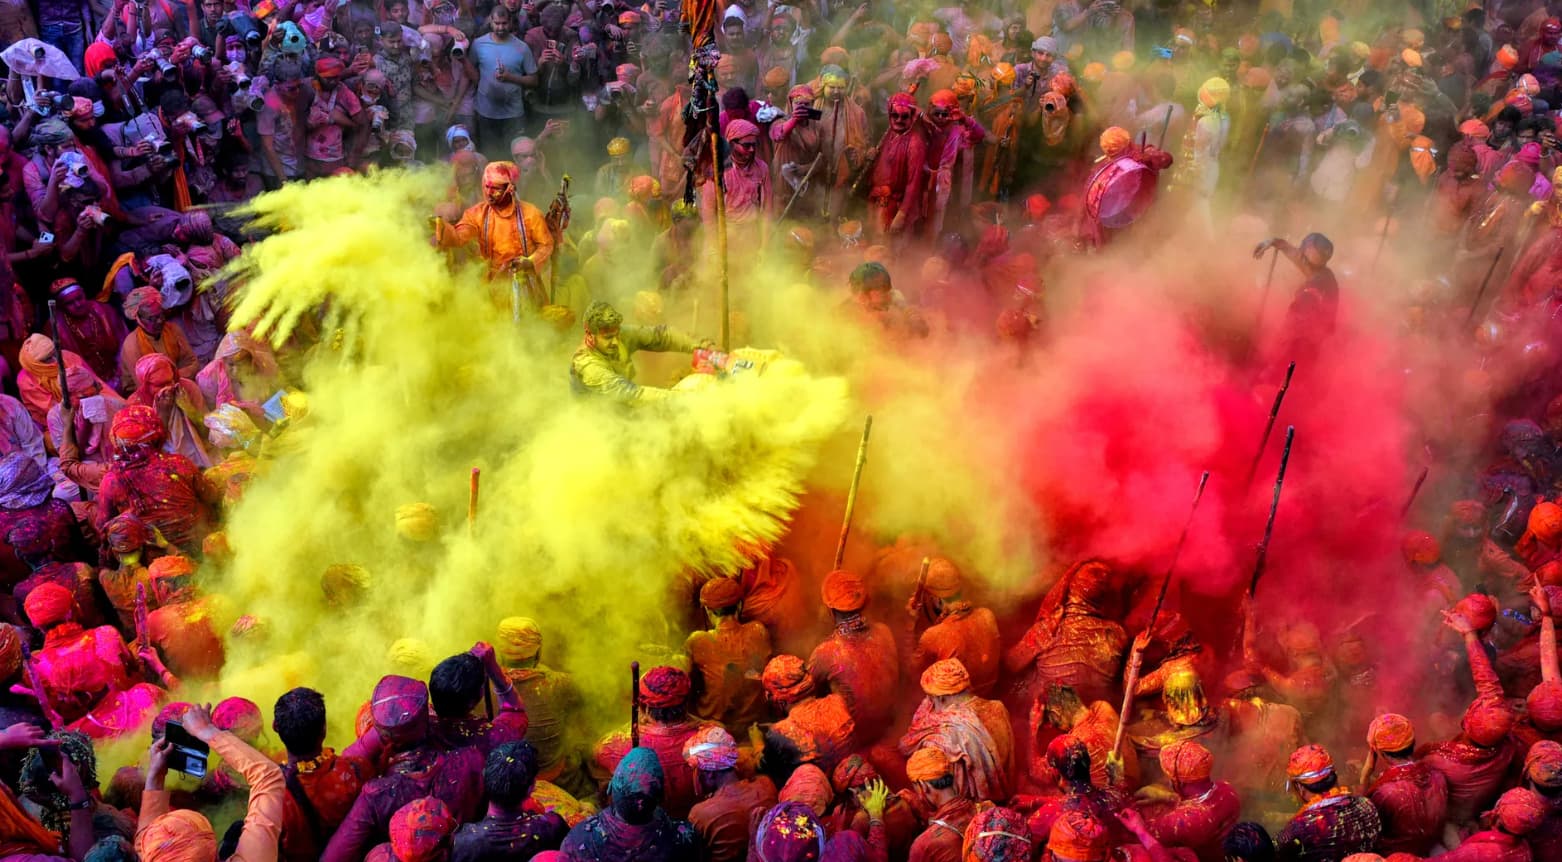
1520	811
1488	721
1064	85
721	593
420	830
100	56
810	786
902	101
711	749
1391	732
137	425
1420	548
240	717
398	702
851	773
844	591
1186	762
126	533
944	99
737	130
499	173
49	604
945	677
786	679
1543	764
1308	764
1036	206
664	687
927	764
1544	706
1079	836
330	67
1480	610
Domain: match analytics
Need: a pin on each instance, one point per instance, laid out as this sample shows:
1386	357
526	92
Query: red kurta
864	670
1412	800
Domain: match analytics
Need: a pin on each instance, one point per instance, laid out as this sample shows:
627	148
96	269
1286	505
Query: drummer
1121	187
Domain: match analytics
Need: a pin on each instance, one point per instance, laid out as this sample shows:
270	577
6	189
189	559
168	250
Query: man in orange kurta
511	234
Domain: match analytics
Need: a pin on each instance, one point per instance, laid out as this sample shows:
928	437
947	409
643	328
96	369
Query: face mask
97	109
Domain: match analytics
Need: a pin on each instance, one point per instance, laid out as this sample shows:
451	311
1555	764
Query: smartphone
815	114
273	409
189	754
45	236
552	45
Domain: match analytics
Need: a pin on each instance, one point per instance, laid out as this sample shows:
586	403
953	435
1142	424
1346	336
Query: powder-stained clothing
945	833
1492	847
897	178
727	662
592	371
1097	729
1085	654
186	637
957	731
166	491
551	699
1329	829
504	838
1546	841
725	820
1475	773
51	517
748	194
1412	800
864	669
330	784
820	728
262	818
485	735
1200	823
666	740
455	777
78	666
605	837
172	344
970	635
501	236
96	337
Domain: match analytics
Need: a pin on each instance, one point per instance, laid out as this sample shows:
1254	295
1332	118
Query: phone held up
189	754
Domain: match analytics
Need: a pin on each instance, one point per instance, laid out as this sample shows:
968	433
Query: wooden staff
1415	490
721	237
1269	426
1388	220
1274	506
851	495
59	356
1136	657
1485	283
917	600
36	684
1165	126
801	187
1263	298
634	701
1253	165
471	503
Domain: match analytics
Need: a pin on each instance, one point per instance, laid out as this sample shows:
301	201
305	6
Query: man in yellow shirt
604	364
511	234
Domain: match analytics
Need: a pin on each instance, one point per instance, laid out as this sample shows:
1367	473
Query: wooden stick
634	700
1136	657
851	495
917	600
471	503
721	243
1485	283
1415	490
1263	299
1274	506
1269	426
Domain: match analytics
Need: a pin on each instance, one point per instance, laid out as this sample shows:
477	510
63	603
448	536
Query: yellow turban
618	147
519	638
417	522
1214	92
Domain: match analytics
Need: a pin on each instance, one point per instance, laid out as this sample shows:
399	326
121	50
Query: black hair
1249	842
727	611
113	848
230	839
942	782
1510	115
173	102
299	721
510	772
1403	753
1322	785
456	685
666	714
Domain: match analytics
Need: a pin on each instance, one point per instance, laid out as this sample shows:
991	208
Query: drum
1120	192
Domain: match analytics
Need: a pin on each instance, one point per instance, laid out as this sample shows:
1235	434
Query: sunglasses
939	112
901	115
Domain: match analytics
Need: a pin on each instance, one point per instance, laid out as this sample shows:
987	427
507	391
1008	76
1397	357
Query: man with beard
895	180
511	234
951	157
844	137
89	329
746	181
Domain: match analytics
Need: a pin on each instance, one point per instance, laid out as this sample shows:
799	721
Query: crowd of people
930	167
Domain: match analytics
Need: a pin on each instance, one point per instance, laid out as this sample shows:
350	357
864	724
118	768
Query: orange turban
1257	78
1123	61
10	652
1095	72
776	78
1391	732
1079	836
1520	811
1545	521
1186	762
844	591
1474	129
721	593
927	764
181	835
1420	548
1507	57
944	99
945	677
786	678
835	55
48	604
1544	706
1488	721
943	579
1214	92
664	687
1115	140
810	786
1308	764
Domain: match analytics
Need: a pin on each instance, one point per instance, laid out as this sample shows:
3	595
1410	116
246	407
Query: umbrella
35	57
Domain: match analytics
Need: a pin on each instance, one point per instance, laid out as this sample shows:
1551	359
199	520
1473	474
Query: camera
163	147
200	52
458	50
96	213
38	54
75	164
1049	107
49	103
